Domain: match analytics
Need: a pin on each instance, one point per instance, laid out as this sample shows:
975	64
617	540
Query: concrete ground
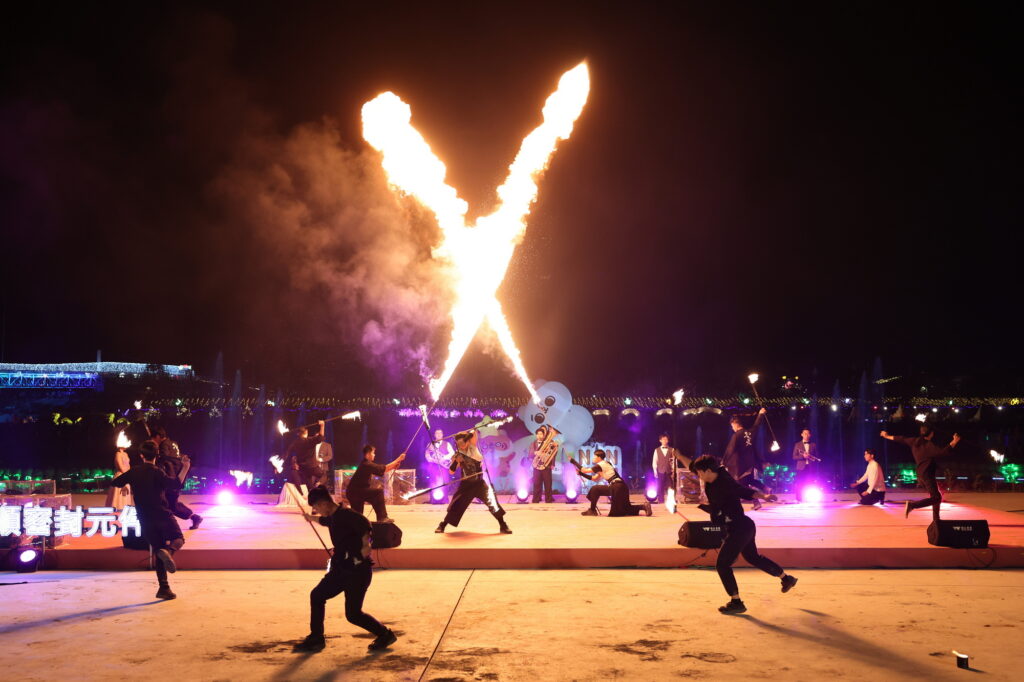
518	625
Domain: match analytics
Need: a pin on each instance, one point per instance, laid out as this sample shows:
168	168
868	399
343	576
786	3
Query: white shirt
607	470
440	454
873	477
664	453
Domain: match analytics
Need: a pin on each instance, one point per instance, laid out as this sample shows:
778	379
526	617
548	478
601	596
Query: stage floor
838	534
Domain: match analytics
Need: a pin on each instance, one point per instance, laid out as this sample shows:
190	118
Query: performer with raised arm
742	460
613	486
925	453
349	571
663	464
543	452
805	454
171	463
724	505
472	485
150	486
301	456
362	488
439	455
871	485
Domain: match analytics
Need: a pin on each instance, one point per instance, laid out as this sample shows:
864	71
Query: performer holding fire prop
348	570
724	495
741	458
614	487
472	485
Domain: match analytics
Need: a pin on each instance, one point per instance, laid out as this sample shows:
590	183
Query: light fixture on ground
26	559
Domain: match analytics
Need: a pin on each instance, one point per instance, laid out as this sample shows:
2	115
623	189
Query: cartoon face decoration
497	446
574	422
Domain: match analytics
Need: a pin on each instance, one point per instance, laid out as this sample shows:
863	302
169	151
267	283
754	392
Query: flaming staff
479	253
348	416
753	384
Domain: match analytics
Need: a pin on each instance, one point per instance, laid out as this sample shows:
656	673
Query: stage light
26	559
571	495
225	498
813	493
522	494
437	496
835	407
652	491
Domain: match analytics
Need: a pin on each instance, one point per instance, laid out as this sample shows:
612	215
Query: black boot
734	606
383	641
196	520
440	527
312	643
165	593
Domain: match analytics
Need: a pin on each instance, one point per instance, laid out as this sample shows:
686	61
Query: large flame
122	440
480	253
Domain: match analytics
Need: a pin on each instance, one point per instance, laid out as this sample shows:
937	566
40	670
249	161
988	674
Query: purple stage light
27	555
813	493
571	494
522	494
437	495
652	491
225	498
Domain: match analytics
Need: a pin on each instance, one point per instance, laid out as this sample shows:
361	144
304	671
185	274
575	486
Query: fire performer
362	488
724	496
925	453
301	456
614	487
742	460
150	486
472	485
171	463
348	570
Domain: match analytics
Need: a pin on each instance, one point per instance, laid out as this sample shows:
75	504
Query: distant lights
835	408
396	401
628	401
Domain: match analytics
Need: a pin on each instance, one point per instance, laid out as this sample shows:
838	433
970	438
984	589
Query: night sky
779	187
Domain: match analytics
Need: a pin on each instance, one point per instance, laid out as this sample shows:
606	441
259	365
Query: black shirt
740	454
169	460
724	495
149	488
304	450
925	452
362	478
347	532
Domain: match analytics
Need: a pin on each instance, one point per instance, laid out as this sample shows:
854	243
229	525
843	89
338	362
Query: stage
255	534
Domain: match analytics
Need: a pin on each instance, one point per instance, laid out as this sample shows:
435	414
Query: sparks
479	254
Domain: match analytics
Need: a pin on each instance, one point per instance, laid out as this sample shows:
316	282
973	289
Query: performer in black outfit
614	487
542	475
301	456
362	488
150	486
925	453
742	460
724	495
472	486
349	571
170	462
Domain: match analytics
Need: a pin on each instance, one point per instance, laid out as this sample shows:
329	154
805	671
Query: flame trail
479	253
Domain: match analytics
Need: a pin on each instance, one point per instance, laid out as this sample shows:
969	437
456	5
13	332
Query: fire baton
424	491
348	416
753	384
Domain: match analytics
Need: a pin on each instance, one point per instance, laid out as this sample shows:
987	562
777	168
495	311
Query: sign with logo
47	522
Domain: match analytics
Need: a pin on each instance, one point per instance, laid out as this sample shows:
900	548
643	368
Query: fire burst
479	253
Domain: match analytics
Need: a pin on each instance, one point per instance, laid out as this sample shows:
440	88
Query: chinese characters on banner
48	522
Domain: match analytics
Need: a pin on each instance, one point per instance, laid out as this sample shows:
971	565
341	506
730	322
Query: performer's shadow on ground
95	614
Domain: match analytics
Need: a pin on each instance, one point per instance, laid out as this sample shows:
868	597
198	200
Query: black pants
354	582
934	499
161	531
618	491
751	481
375	496
542	483
739	539
665	483
178	507
473	489
874	497
310	476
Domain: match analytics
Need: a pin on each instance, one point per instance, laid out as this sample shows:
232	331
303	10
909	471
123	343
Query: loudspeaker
385	535
959	534
701	534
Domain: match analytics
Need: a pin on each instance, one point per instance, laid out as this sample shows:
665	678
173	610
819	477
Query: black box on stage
959	534
385	536
700	534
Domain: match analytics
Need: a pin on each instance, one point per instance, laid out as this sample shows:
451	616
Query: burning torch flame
775	446
242	477
350	416
921	417
479	254
281	428
138	404
122	441
277	462
753	378
996	456
677	397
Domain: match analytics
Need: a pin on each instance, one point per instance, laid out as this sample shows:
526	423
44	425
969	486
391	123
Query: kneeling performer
871	485
724	495
614	487
471	485
349	571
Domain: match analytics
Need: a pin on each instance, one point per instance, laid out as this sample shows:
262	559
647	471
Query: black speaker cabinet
959	534
701	534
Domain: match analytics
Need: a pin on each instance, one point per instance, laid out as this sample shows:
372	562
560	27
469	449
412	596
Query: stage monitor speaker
960	534
700	534
385	536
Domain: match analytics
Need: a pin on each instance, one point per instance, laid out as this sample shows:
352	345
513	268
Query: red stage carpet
826	535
